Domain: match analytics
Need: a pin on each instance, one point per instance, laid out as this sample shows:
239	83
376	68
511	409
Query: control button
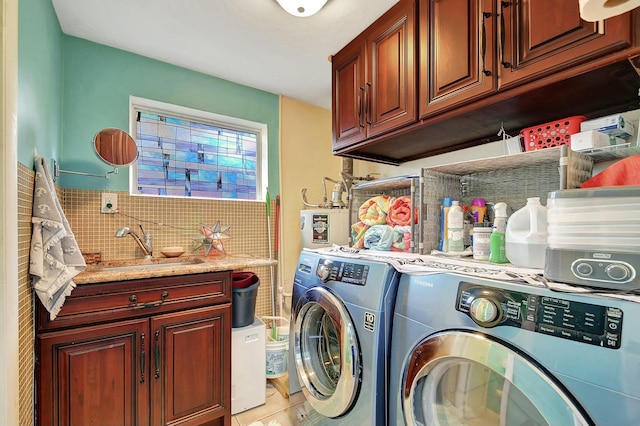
547	329
584	269
485	312
617	272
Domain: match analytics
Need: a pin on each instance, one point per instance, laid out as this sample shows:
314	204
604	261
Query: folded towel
55	257
357	234
401	238
400	212
621	173
379	237
374	210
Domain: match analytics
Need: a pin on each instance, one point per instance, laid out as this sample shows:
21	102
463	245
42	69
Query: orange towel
400	212
621	173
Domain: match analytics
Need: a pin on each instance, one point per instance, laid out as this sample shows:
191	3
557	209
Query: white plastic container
455	228
526	235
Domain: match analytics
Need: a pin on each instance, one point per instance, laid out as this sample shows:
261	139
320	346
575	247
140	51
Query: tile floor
287	412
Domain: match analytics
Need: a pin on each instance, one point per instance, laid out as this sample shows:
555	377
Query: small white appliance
248	359
594	237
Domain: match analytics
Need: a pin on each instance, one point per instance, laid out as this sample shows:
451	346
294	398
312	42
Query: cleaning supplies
455	228
526	235
497	249
444	211
478	209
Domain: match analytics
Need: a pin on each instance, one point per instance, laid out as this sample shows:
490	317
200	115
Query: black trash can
243	305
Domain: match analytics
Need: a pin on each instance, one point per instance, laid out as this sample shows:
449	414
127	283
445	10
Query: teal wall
40	68
98	81
69	89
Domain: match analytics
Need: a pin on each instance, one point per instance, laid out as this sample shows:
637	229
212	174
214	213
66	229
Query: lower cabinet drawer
94	303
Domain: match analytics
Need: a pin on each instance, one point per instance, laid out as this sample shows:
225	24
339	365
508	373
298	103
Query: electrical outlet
109	203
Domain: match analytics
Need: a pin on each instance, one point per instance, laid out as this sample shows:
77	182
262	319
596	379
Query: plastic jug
526	237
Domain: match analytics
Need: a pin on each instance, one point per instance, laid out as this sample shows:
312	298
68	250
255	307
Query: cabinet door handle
485	71
134	300
143	355
360	112
157	354
503	6
368	103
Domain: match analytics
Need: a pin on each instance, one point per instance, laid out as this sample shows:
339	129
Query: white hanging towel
55	257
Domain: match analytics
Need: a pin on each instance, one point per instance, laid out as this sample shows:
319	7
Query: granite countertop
121	270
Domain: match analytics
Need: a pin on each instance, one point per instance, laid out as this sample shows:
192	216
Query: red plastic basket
554	133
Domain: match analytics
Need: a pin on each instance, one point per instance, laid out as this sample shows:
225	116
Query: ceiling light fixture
302	8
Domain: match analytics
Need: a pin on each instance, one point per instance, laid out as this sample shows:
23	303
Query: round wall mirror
115	147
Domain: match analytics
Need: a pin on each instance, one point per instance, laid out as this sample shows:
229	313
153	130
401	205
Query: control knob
323	272
486	312
617	272
584	269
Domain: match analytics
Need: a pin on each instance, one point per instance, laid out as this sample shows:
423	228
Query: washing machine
471	351
340	335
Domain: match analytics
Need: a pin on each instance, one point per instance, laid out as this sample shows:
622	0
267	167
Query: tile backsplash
172	222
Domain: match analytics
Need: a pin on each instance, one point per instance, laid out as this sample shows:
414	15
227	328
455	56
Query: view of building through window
189	157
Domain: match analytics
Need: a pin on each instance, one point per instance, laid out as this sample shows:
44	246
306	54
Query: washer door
464	378
326	352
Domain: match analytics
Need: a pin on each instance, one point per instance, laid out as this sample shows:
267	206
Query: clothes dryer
340	335
471	351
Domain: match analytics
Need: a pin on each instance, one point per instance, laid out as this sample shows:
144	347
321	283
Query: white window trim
179	111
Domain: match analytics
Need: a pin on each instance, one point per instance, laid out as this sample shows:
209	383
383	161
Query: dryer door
326	352
465	378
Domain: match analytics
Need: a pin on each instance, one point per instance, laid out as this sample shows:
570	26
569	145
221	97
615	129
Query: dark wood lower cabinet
161	368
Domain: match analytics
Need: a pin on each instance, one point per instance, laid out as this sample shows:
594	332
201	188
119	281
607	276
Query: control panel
613	271
582	322
346	272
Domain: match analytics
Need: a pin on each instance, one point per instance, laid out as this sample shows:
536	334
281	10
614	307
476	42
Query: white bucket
277	357
277	343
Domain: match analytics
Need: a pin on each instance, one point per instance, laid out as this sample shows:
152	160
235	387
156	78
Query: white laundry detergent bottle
526	237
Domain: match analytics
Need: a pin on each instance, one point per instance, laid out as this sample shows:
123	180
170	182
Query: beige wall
305	159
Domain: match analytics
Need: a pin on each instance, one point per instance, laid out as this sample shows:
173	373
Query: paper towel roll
597	10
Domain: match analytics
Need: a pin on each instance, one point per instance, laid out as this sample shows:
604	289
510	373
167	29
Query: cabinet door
391	76
191	367
543	36
349	95
457	51
94	375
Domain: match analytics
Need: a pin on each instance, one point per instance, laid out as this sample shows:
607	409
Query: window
184	152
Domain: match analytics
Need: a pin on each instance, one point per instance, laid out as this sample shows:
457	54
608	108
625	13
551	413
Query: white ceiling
251	42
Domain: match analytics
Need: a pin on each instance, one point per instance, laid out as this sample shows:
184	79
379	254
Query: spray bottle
497	252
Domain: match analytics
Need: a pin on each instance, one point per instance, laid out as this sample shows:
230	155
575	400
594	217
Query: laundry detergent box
613	125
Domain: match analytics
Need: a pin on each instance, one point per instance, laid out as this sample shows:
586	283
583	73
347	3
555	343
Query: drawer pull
157	354
134	299
143	355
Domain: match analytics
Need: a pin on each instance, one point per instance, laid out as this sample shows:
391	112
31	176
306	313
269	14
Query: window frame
206	117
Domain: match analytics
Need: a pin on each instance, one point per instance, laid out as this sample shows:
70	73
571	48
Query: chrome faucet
147	246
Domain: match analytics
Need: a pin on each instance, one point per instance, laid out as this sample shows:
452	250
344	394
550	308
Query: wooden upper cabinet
374	78
539	37
348	94
391	80
457	52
